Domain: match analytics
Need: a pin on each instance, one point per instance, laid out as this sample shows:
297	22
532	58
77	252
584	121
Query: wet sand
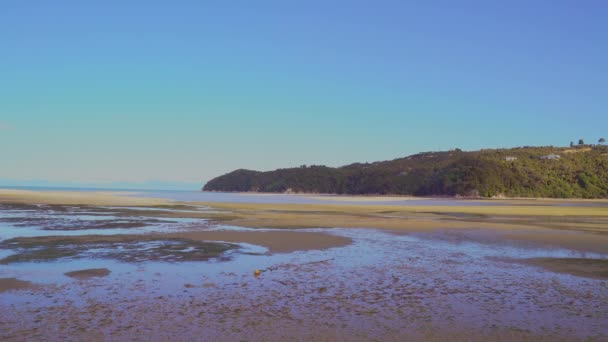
408	289
509	209
591	268
56	247
10	284
583	229
275	241
76	197
503	200
185	271
88	273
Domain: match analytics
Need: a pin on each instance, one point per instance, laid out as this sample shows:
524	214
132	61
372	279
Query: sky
178	92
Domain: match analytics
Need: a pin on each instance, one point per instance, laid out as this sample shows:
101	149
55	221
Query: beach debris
257	273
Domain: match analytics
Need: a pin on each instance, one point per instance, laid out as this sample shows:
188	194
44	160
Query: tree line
518	172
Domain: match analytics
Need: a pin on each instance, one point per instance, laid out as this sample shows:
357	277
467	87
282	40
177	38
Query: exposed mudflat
126	248
383	286
423	276
583	267
88	273
8	284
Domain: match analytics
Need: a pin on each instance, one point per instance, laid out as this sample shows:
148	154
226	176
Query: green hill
578	172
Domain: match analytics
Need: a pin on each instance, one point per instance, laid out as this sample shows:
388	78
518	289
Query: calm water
200	196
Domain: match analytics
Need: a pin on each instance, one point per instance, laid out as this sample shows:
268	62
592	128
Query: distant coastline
392	197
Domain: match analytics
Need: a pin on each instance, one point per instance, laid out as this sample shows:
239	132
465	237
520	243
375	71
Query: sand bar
10	284
88	273
77	197
275	241
579	228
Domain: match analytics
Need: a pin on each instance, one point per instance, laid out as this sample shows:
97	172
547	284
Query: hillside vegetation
574	172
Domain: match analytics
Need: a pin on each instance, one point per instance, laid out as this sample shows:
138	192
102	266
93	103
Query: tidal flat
114	266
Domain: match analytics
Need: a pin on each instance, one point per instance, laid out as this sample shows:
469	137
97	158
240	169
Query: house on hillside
550	157
510	158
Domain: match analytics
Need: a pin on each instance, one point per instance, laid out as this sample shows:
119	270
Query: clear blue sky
182	91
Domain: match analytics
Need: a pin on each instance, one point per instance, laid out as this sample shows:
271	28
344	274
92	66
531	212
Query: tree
572	144
581	142
601	141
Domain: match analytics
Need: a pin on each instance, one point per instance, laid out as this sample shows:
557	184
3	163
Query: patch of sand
579	241
10	284
582	267
275	241
88	273
77	197
563	227
505	210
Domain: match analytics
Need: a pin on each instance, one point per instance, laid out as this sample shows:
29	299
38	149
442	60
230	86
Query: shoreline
397	197
97	198
138	198
414	264
582	228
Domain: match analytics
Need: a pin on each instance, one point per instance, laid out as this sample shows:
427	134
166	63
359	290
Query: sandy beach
77	197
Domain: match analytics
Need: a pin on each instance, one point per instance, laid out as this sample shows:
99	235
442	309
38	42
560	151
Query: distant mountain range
560	172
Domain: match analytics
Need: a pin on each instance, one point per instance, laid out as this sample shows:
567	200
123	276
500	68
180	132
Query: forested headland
578	171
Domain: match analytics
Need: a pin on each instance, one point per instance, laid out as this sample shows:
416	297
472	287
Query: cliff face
520	172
